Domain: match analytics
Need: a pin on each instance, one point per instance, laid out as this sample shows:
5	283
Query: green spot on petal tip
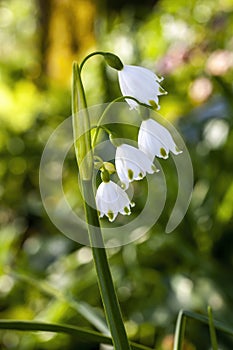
162	91
178	150
126	210
163	152
153	167
110	215
130	174
123	186
153	104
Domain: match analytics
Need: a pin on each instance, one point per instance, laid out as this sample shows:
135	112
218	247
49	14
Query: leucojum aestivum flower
139	86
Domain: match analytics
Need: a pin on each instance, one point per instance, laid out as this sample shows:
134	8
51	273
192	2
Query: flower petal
132	164
155	140
140	83
111	199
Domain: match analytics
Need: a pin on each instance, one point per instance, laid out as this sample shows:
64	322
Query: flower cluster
154	140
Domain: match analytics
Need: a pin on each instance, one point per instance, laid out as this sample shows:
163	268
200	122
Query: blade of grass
84	335
218	325
213	337
181	322
82	308
180	331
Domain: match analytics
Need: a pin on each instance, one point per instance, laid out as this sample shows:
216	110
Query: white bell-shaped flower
111	199
132	164
155	140
140	83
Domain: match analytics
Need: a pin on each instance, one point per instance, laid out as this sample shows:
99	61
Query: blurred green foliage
191	45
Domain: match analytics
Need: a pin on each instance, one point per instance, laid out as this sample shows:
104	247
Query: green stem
180	331
98	126
107	290
111	59
213	337
89	56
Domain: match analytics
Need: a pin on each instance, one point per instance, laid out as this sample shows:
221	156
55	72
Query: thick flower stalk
142	84
155	140
132	164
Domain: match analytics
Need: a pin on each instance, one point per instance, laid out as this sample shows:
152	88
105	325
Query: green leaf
180	331
180	327
84	335
213	337
82	308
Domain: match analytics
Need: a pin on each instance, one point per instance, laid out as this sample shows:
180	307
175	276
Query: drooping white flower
140	83
111	199
155	140
132	164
